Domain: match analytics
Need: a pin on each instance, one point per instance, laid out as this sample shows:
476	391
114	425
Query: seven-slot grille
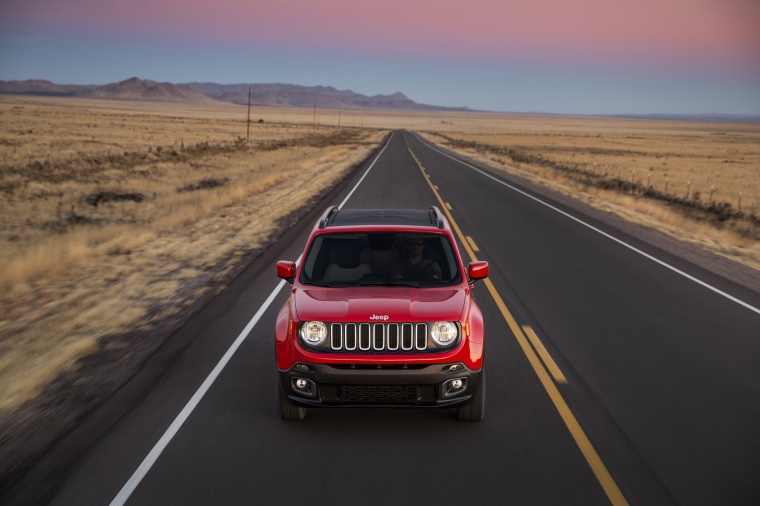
378	336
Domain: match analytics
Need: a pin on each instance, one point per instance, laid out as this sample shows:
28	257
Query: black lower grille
329	392
378	393
427	392
381	394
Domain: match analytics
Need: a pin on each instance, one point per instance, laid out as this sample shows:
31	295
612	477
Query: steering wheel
418	276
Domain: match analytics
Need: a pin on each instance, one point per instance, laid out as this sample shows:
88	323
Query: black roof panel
410	217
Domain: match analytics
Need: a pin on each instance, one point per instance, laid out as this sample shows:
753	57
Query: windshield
381	258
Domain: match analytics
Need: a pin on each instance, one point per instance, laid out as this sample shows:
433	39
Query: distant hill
275	95
144	90
291	95
40	87
131	89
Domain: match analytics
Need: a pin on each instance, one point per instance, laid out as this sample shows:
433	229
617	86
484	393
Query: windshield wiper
389	282
319	283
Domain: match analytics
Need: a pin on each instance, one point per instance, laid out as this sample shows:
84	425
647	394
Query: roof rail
327	215
437	216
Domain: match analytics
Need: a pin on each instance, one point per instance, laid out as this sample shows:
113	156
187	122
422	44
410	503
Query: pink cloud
693	32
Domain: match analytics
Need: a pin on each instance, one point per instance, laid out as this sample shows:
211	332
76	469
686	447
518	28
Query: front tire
288	410
476	409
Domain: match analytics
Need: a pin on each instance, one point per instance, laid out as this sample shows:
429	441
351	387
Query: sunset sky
560	56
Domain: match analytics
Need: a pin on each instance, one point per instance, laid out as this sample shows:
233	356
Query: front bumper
379	385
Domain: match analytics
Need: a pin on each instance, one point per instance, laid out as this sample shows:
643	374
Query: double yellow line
588	451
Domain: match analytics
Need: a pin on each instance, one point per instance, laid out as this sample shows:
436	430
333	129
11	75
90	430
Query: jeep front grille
379	337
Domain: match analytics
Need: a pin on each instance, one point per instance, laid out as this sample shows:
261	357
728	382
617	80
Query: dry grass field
117	217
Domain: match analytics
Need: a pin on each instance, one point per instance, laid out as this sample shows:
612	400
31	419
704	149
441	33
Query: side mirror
477	270
286	270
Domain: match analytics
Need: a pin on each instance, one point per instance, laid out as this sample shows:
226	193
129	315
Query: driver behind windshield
412	261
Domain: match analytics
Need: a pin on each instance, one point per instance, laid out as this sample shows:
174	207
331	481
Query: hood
368	304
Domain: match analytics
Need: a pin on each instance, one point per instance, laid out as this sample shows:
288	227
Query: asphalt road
660	402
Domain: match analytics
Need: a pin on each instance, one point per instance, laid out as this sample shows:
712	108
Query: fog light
454	387
304	387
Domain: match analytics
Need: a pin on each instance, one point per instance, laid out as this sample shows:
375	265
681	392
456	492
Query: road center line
595	229
545	356
129	487
584	444
472	243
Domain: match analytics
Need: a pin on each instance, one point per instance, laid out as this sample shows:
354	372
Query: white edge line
126	491
159	447
619	241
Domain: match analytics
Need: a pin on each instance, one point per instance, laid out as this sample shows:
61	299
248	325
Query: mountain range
275	95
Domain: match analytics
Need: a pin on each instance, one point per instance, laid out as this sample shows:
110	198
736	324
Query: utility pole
248	123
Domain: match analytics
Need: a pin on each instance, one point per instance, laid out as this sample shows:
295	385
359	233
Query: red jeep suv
381	313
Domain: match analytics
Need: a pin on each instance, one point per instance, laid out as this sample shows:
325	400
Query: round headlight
314	333
444	333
